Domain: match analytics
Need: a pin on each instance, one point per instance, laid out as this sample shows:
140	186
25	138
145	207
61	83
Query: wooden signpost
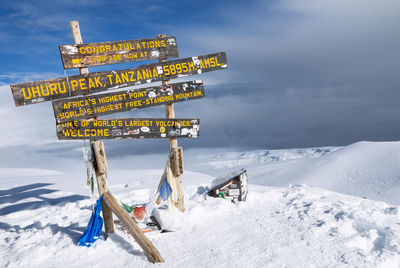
128	128
99	160
121	101
84	84
76	109
85	55
178	201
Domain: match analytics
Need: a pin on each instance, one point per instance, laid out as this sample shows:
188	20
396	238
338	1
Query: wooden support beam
100	161
149	250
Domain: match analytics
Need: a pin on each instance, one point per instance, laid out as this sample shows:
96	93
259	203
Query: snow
18	172
317	207
365	169
234	159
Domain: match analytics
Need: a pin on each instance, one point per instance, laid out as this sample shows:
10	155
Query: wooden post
98	152
151	252
173	145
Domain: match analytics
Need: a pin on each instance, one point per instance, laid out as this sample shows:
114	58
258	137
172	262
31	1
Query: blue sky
301	73
32	30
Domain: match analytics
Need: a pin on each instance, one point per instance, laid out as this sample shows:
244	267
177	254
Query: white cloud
24	125
25	77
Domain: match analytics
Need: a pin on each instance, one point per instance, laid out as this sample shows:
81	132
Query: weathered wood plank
100	159
129	128
109	103
63	87
176	159
94	54
149	249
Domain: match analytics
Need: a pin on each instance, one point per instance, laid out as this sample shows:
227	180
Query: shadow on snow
34	190
73	230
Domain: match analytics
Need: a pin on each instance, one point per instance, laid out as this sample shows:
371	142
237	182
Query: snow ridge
235	159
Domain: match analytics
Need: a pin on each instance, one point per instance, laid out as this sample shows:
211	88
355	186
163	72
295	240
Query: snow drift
289	218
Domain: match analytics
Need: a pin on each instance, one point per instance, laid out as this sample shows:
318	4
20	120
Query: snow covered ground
321	207
365	169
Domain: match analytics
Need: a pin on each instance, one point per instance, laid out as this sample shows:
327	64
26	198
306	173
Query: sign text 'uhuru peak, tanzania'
63	87
128	128
101	104
94	54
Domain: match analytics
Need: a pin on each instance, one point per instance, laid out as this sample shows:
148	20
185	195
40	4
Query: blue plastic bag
165	190
93	230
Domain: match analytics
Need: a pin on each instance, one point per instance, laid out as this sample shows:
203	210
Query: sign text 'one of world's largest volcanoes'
63	87
94	54
114	102
128	128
